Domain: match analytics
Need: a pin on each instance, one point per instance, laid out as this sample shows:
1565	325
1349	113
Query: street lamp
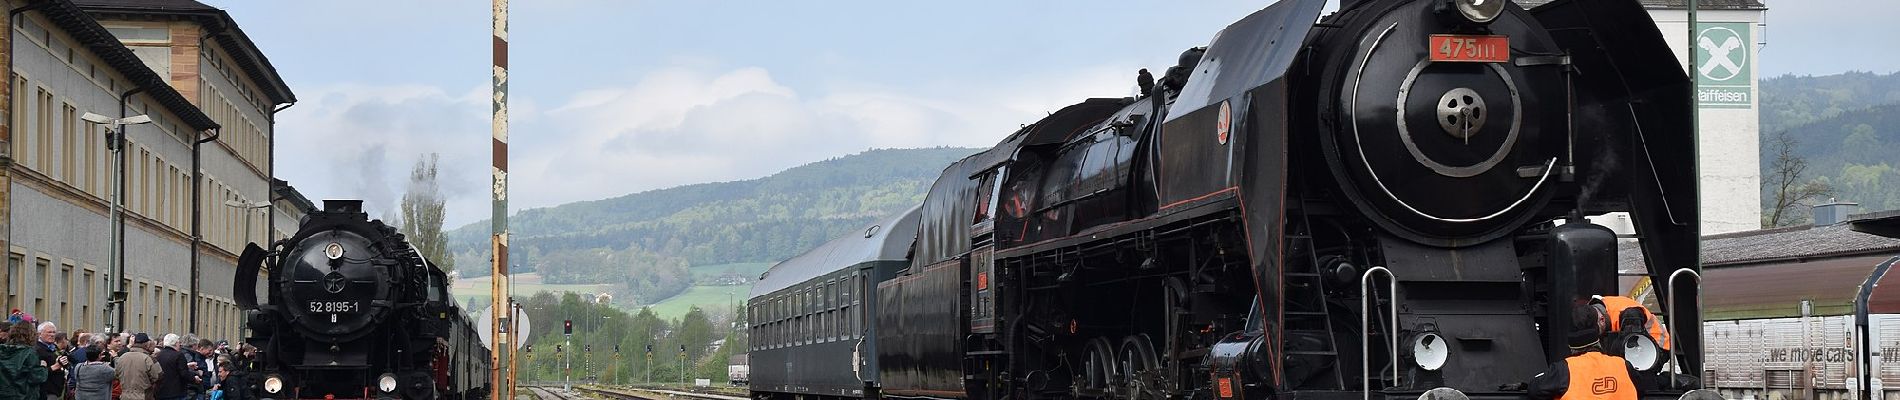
115	141
247	206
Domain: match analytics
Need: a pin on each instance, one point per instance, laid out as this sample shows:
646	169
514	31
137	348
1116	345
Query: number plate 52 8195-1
1470	48
334	306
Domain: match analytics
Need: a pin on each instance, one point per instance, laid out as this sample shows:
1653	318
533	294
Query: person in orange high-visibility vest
1587	374
1620	308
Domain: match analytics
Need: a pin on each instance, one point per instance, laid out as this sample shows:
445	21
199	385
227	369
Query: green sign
1723	76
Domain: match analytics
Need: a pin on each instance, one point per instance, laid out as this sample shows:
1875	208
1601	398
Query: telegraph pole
498	243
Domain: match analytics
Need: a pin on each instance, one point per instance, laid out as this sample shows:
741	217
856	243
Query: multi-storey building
211	95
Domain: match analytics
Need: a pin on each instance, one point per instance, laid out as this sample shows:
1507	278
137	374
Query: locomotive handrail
1676	326
1365	326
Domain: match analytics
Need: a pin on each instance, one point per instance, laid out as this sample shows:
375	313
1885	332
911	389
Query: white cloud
690	123
682	125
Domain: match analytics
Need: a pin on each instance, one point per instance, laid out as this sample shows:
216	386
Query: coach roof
886	240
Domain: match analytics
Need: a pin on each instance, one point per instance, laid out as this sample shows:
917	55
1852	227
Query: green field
703	296
750	270
525	285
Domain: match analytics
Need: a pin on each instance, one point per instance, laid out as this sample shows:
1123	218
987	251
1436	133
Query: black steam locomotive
1385	203
356	312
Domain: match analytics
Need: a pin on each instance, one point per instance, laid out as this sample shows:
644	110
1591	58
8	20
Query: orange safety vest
1598	376
1614	306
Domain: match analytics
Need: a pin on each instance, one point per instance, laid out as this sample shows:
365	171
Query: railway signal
567	327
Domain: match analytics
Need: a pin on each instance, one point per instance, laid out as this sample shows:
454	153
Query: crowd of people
40	362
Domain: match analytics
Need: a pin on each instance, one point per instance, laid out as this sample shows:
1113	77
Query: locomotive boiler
1387	202
354	311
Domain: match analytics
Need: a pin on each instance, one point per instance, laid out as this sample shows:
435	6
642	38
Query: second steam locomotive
1382	203
355	312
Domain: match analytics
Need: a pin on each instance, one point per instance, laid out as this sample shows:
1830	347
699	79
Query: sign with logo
1723	55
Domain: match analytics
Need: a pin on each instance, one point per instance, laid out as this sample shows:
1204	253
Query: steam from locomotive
1386	203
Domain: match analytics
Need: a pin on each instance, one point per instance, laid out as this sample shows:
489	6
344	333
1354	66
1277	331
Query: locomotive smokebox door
1442	138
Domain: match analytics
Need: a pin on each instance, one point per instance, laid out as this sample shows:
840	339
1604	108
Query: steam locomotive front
338	291
1440	154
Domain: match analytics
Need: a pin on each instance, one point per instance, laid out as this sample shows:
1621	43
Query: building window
92	296
69	145
40	269
18	121
66	296
93	152
140	34
15	263
45	130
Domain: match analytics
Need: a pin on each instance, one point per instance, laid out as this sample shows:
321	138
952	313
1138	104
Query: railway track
650	394
545	393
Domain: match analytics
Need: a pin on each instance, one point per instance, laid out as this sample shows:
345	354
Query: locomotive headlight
386	383
1479	11
335	250
1641	352
1443	393
1430	351
273	384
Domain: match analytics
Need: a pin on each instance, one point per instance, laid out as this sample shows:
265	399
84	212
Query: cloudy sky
618	96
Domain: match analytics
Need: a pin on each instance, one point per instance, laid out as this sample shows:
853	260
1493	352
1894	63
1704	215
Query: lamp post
115	255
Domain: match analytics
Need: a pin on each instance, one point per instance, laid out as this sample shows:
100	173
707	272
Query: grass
703	296
525	285
749	270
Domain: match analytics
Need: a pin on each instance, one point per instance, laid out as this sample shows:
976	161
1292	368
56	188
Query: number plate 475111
1470	48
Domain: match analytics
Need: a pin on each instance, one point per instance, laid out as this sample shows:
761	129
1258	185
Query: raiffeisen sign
1723	75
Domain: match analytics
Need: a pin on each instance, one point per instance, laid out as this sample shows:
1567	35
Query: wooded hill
647	240
1847	126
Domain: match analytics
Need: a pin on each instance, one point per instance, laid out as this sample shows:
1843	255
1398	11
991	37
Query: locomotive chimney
343	206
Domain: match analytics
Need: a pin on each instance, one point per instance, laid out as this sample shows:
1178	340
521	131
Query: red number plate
1471	48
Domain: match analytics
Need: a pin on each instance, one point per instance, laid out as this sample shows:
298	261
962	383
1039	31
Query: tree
422	209
1790	189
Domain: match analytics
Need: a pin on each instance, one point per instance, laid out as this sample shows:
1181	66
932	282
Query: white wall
1730	137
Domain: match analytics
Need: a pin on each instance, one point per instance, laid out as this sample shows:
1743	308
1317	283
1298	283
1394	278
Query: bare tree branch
1786	175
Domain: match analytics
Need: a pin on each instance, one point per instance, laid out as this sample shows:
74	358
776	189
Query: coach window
831	300
798	315
778	321
817	316
857	317
825	328
812	299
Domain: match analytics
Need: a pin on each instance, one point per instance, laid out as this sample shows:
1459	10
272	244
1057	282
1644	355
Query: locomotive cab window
985	196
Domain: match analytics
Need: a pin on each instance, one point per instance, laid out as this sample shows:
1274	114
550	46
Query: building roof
1792	244
1676	4
1767	273
70	18
285	192
219	24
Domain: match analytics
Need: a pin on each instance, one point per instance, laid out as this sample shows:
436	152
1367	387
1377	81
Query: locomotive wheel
1098	371
1142	377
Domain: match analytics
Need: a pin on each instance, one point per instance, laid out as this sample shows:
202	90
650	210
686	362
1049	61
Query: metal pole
498	284
514	374
115	137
